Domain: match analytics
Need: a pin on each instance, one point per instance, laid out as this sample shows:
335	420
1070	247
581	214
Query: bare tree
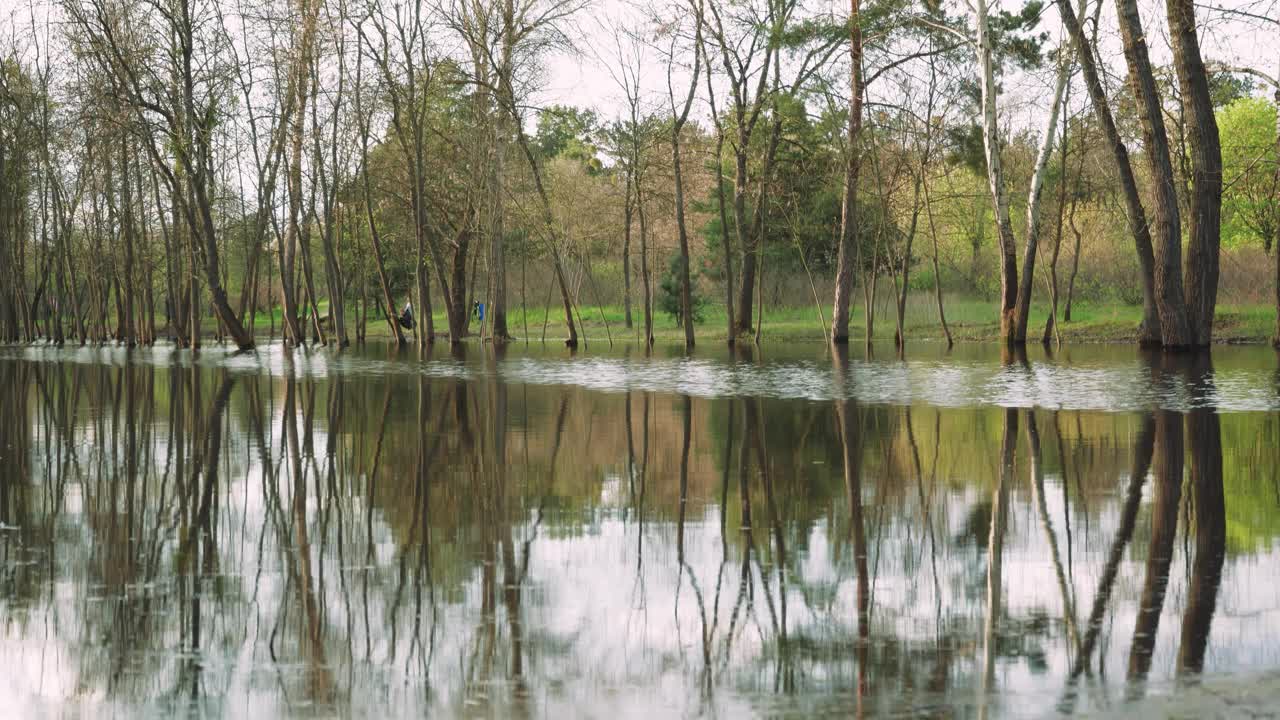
330	166
629	139
505	41
363	121
398	44
680	115
747	40
174	97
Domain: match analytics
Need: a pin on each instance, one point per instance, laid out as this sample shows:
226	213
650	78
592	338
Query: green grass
972	320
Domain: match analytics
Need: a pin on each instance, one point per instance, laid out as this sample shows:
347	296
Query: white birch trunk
1041	168
995	173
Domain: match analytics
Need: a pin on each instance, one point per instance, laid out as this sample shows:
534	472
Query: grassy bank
970	320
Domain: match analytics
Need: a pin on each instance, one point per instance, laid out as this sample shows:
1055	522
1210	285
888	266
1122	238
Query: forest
232	170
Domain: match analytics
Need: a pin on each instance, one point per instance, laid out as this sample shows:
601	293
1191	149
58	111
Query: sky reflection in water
373	533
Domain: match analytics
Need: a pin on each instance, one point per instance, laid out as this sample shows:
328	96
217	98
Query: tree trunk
498	242
995	176
870	282
127	230
628	211
731	335
686	293
1033	204
1204	231
313	300
375	239
293	331
460	310
686	289
427	324
937	273
746	289
848	249
1149	330
1275	241
1051	324
334	279
900	294
728	251
472	291
193	305
644	271
548	221
1175	329
7	330
1144	331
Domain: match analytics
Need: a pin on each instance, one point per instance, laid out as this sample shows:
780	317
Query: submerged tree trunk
900	294
330	223
313	299
375	239
645	279
628	215
295	119
1175	329
746	290
334	279
1149	329
498	241
686	289
995	175
8	319
1275	240
127	231
421	274
724	214
1027	283
848	249
937	273
1204	227
919	195
457	297
548	221
221	306
1051	324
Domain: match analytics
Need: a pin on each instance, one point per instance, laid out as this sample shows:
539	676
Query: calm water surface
381	533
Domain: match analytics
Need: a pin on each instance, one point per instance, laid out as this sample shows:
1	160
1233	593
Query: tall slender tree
1175	328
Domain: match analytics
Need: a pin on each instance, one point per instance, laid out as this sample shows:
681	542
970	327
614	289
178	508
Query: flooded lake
382	533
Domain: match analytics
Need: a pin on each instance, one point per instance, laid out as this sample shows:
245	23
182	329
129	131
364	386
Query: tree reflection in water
182	535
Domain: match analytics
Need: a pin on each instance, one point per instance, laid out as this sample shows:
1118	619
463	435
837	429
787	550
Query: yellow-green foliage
1250	197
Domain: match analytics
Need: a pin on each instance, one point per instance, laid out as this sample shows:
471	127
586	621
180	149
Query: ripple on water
1117	384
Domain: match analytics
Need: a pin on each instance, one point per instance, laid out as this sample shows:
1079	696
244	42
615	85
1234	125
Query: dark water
382	534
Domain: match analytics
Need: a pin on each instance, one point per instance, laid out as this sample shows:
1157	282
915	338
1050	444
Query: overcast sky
582	78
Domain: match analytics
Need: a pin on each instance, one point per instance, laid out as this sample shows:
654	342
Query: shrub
669	293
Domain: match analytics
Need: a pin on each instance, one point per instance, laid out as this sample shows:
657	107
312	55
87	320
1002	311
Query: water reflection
194	536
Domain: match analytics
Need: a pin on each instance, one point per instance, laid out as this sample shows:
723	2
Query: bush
669	293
